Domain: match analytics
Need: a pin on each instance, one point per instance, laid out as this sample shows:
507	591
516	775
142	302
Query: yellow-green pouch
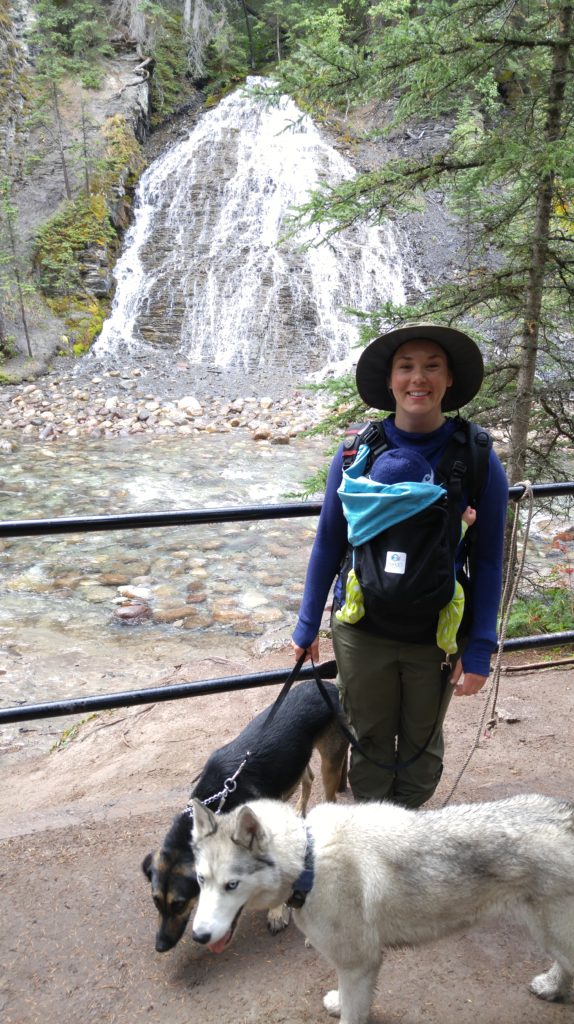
354	606
449	619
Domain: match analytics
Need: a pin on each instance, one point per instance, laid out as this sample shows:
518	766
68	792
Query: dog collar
304	883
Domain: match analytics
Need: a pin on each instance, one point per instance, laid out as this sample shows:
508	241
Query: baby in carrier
393	469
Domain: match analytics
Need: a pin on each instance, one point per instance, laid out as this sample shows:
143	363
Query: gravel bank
158	395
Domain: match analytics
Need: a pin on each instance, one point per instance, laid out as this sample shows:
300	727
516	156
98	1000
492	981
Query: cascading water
204	268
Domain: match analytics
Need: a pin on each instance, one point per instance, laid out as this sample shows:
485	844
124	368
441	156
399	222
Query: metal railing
194	517
197	517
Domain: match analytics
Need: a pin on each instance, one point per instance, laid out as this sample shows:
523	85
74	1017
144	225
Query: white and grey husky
377	875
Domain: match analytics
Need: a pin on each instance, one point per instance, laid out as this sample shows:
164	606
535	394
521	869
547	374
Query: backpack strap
465	459
479	445
372	434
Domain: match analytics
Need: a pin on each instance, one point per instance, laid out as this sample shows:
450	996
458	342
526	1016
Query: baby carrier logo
396	561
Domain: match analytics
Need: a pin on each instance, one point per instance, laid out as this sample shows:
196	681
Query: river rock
190	405
267	615
184	611
261	433
142	594
101	407
113	579
253	599
129	613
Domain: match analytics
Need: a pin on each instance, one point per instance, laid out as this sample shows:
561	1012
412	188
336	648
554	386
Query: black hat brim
465	359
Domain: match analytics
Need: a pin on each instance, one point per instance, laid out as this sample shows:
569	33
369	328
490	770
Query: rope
487	724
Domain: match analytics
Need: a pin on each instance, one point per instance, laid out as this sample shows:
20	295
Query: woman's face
419	379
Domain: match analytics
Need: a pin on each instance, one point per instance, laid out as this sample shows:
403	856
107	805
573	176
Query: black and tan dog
277	765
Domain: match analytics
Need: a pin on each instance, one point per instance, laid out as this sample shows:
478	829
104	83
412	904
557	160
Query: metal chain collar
229	786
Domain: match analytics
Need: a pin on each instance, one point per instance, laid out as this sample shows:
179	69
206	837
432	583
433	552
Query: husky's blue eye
200	879
231	885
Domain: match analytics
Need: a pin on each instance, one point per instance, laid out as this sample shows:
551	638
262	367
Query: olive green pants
392	694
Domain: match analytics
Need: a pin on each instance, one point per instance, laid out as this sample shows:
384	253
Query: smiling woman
394	678
419	380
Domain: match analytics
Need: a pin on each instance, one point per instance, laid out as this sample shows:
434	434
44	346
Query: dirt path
77	936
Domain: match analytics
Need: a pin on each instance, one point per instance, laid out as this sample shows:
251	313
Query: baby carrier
403	557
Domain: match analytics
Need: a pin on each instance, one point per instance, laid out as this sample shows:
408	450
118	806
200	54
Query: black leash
230	785
284	691
397	766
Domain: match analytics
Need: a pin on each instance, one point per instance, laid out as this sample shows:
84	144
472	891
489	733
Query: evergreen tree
501	75
11	277
75	30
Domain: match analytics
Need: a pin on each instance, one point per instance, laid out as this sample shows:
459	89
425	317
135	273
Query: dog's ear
248	830
204	821
146	865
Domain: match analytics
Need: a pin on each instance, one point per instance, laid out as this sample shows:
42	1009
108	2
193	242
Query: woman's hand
465	683
310	652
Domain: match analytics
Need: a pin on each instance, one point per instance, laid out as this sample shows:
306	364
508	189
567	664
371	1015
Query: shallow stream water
59	631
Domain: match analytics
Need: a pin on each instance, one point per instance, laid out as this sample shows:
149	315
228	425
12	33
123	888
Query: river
237	584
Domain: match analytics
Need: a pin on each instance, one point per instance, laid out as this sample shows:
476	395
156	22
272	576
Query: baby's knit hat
400	465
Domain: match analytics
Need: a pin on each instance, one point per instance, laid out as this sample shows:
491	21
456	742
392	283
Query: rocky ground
87	398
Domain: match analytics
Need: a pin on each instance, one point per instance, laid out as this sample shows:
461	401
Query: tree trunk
85	150
60	140
20	290
539	253
249	36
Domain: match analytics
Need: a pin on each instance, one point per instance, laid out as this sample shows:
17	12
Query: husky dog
277	765
369	876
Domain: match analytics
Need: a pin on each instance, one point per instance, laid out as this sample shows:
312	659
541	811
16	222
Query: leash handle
284	690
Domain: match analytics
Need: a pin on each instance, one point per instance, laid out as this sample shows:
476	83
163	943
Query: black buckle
458	469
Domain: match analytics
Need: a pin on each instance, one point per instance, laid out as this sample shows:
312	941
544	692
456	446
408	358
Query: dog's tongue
218	947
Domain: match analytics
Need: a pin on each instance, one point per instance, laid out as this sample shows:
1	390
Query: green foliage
7	347
121	152
70	734
227	55
169	82
549	611
14	289
83	316
501	78
60	250
12	66
69	37
79	224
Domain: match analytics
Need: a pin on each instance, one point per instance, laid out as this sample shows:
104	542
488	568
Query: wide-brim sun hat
465	363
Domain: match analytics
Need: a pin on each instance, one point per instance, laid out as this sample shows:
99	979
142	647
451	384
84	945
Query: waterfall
205	268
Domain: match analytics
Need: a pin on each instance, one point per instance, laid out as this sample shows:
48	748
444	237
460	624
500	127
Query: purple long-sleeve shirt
331	543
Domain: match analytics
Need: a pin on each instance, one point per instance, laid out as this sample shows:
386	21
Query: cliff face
50	158
71	170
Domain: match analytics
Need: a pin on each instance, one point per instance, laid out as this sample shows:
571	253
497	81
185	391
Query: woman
392	691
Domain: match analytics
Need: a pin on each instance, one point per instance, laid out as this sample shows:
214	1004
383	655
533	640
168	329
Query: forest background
497	76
